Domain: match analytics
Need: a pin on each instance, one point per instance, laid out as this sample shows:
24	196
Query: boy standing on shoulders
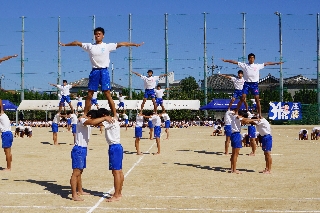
6	136
112	135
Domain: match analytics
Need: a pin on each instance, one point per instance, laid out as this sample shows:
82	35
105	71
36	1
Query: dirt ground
189	175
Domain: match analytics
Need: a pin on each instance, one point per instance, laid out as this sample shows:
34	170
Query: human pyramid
259	127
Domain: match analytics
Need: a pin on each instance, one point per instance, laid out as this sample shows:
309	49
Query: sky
224	37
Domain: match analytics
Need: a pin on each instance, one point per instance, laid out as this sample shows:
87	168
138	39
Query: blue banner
285	111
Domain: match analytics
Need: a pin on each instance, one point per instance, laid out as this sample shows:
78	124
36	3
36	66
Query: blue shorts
121	104
252	131
74	128
150	125
237	93
7	139
138	132
69	121
159	101
99	76
227	130
267	143
94	101
65	98
78	156
54	127
157	131
167	124
236	140
126	121
149	93
79	104
115	157
250	87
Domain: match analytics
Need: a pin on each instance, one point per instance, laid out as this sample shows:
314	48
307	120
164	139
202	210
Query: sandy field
189	176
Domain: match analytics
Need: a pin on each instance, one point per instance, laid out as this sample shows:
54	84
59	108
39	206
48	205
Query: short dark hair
150	71
243	113
102	112
92	113
251	54
159	85
98	29
240	71
64	81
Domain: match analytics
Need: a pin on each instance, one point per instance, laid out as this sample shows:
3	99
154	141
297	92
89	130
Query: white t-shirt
235	123
159	92
156	121
82	133
79	99
56	119
263	127
250	71
99	53
121	98
238	83
112	132
28	128
64	90
150	82
301	131
315	128
125	116
227	118
74	119
166	117
139	121
5	124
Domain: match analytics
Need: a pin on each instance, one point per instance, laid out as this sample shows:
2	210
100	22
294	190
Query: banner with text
285	111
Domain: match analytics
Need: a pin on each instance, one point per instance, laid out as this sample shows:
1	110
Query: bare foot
236	172
156	153
139	153
56	144
226	153
265	169
6	170
166	139
252	154
266	172
83	193
77	198
112	199
151	138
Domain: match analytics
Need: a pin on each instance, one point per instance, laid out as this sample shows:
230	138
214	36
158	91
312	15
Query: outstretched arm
227	76
74	43
76	84
128	44
53	85
272	63
7	57
160	76
96	121
138	74
229	61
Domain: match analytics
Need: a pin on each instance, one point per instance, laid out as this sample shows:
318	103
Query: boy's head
98	34
64	82
251	58
150	72
240	74
103	112
243	113
92	114
158	86
120	94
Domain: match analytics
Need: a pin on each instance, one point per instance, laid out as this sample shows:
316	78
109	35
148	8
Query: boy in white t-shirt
115	152
65	93
99	56
159	94
251	77
167	124
6	136
150	82
79	104
303	134
156	122
238	86
94	99
315	133
138	131
121	101
79	151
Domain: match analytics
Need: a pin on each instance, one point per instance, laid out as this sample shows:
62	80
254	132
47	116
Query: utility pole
130	59
205	61
318	65
166	51
280	43
22	60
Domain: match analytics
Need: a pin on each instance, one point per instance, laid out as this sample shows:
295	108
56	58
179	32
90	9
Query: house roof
219	82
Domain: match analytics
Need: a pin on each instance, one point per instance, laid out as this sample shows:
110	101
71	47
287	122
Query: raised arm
227	76
160	76
138	74
53	85
96	121
128	44
76	84
7	57
272	63
74	43
229	61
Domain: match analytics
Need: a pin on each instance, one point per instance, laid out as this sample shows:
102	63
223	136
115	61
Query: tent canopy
221	104
7	105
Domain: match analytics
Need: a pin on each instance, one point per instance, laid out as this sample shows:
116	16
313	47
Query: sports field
189	175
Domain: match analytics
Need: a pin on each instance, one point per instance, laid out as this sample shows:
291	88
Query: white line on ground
128	172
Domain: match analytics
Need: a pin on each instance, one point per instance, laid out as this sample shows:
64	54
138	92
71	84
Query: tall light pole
318	65
244	37
22	60
280	43
205	82
130	58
